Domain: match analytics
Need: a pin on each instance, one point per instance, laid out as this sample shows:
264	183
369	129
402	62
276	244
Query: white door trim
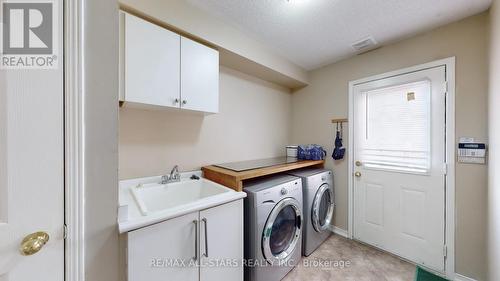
450	152
73	136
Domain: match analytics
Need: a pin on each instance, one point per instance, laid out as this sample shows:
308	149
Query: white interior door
31	170
399	154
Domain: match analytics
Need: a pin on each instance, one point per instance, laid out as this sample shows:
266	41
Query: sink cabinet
151	246
225	241
185	248
162	69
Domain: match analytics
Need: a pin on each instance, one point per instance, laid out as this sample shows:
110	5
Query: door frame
74	256
449	63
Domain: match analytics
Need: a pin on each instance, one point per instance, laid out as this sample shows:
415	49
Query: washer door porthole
322	208
282	231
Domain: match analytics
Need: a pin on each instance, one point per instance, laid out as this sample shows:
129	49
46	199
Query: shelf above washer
234	180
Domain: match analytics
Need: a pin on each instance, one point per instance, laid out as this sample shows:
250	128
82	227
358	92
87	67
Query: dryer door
282	231
322	208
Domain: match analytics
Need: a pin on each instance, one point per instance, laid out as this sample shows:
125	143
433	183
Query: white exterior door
32	171
399	172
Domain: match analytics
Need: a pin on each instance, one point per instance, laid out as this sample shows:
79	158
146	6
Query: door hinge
445	87
445	168
445	251
65	232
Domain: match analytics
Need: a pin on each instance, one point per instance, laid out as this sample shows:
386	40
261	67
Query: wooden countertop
235	179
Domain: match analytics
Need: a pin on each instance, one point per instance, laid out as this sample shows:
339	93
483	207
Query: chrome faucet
174	173
174	176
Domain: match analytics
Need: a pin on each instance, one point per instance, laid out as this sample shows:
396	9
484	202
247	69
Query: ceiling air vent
364	45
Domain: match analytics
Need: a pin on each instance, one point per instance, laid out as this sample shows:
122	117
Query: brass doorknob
357	174
33	243
358	163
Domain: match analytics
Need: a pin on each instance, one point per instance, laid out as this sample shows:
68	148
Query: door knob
357	174
358	163
33	243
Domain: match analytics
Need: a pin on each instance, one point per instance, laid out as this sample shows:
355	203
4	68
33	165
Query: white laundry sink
156	197
145	201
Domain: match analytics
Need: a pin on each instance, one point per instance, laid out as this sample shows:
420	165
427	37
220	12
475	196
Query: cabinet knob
176	101
184	101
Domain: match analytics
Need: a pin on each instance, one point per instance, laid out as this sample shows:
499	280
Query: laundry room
284	140
308	181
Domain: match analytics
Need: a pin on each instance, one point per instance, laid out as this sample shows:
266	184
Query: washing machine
318	195
273	227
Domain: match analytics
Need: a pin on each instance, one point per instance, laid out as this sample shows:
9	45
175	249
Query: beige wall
100	117
253	122
494	153
327	97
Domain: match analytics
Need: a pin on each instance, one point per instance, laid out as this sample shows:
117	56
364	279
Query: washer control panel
290	188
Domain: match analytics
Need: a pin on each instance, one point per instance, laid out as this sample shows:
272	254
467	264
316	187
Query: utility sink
156	197
144	201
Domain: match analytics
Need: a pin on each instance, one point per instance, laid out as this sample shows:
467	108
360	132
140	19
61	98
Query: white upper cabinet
160	68
199	76
152	63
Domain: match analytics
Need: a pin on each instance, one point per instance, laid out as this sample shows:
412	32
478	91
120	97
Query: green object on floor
424	275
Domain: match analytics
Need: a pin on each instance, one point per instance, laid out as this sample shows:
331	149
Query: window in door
397	134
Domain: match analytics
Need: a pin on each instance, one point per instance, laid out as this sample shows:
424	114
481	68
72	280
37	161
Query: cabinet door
156	253
199	77
223	244
152	63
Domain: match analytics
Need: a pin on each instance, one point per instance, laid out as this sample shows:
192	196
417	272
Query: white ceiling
313	33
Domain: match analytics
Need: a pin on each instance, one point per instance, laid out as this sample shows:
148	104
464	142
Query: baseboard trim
339	231
459	277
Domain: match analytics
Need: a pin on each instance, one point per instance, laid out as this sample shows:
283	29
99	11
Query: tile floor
366	264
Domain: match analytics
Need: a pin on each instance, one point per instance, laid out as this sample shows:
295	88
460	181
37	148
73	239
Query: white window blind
398	128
